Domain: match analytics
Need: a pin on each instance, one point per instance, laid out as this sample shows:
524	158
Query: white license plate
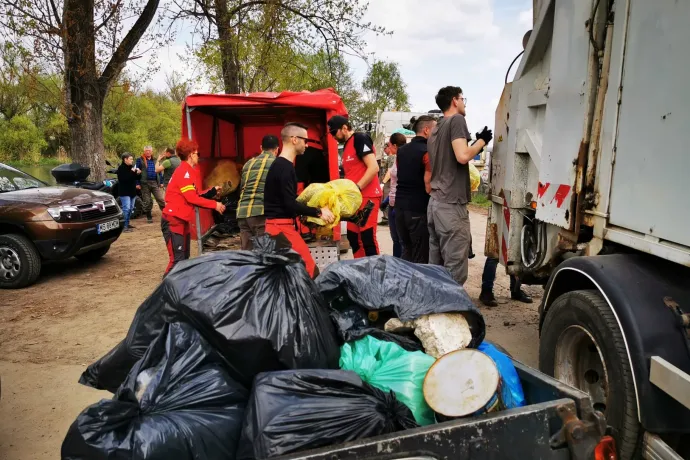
107	226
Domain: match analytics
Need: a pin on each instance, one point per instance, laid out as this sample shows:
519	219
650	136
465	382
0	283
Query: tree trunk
87	139
228	61
85	90
85	109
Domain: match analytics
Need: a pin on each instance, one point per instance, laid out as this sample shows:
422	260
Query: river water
41	172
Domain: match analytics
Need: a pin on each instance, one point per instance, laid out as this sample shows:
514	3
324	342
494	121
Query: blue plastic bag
511	389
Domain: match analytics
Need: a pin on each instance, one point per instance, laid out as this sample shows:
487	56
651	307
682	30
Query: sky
465	43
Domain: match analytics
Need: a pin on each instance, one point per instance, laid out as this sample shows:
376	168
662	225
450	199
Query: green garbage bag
388	366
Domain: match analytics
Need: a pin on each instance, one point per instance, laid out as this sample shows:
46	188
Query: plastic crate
324	255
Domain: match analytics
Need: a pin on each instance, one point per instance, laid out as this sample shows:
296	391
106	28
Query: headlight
65	214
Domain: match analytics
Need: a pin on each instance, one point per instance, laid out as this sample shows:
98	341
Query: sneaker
521	296
127	230
131	226
488	299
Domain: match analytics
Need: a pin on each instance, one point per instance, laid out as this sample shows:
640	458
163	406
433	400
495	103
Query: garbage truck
588	196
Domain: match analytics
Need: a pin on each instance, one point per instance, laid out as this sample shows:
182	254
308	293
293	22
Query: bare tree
177	86
303	26
89	42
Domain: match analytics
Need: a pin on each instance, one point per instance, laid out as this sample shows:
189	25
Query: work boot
488	299
521	296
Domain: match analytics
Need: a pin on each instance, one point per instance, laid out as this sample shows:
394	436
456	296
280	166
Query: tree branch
56	14
113	10
119	58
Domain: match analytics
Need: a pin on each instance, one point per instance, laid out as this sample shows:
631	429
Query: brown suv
39	222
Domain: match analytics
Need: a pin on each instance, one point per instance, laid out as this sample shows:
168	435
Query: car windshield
12	180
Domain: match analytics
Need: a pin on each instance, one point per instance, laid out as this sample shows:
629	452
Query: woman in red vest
360	166
180	198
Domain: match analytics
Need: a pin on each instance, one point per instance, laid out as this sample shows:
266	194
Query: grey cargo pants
449	237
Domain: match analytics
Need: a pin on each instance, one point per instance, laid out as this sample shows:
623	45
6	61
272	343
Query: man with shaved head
280	194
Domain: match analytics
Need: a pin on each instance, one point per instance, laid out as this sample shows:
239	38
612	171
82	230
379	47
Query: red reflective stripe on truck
561	194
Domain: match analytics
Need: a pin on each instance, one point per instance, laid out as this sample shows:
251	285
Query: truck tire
93	256
582	345
20	263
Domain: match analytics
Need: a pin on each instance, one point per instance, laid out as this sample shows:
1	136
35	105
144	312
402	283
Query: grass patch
480	199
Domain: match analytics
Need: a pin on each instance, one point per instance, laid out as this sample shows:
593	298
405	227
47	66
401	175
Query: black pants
489	276
369	243
177	240
414	235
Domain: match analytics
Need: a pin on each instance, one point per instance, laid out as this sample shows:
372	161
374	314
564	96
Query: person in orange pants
280	195
360	166
180	198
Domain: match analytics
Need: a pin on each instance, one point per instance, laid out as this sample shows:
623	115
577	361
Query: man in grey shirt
449	153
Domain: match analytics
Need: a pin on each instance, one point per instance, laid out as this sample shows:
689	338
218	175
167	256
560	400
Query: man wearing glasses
359	165
280	195
449	154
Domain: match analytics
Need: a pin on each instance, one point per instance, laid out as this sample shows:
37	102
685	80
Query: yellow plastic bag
341	196
475	178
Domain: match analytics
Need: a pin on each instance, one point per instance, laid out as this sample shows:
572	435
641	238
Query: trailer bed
521	433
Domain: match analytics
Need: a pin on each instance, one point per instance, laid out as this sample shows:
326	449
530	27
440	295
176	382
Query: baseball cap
336	122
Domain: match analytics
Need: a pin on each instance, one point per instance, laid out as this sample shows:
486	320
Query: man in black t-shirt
280	195
412	193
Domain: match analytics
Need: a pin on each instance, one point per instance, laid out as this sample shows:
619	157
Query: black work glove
486	135
210	193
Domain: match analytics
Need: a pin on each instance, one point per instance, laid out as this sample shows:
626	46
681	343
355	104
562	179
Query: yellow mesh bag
475	178
341	196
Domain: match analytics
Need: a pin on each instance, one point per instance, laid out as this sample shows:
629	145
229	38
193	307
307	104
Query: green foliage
384	89
20	139
131	121
480	199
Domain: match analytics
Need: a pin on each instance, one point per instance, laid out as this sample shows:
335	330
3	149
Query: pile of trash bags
240	355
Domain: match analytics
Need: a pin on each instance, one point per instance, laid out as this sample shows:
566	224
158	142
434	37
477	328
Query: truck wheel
582	345
93	256
20	263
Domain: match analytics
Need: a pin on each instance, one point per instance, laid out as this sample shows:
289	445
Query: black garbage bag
352	324
291	411
385	283
178	402
258	308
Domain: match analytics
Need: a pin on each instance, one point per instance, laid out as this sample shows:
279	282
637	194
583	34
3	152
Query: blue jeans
397	245
127	203
489	276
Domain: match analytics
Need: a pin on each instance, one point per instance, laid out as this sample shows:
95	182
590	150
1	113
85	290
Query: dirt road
76	312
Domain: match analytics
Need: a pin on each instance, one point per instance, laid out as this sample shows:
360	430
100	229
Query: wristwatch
318	212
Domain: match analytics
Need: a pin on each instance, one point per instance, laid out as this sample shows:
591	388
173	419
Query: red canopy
326	99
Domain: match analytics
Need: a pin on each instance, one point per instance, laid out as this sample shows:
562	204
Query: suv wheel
20	263
93	256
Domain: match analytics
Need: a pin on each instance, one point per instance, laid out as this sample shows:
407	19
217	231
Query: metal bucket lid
461	383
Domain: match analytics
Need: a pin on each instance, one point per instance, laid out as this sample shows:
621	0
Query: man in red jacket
180	198
359	165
